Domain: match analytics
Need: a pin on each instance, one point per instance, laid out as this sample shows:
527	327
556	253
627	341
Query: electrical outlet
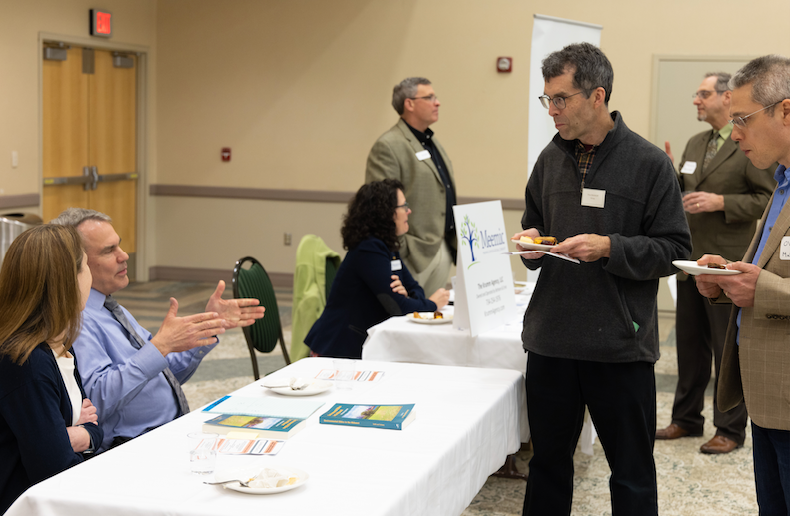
287	239
14	159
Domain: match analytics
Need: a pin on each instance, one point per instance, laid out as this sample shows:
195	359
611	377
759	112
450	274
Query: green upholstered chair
251	280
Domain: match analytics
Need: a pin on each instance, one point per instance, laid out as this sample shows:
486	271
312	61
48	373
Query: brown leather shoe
719	444
673	431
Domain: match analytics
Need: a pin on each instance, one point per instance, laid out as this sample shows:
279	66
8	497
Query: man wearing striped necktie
133	377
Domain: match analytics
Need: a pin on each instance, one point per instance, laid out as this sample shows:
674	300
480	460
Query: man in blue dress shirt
133	377
755	363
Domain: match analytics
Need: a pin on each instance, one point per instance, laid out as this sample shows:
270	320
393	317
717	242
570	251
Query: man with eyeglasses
755	364
612	201
724	196
410	153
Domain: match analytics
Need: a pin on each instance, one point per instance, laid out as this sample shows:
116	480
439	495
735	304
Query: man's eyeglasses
559	102
405	206
703	94
740	121
430	98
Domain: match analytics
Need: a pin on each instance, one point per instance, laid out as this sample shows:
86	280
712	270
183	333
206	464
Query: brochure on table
484	295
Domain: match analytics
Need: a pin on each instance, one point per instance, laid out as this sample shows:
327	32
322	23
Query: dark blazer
746	190
393	156
35	410
361	297
757	370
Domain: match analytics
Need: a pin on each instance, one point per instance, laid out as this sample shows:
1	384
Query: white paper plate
691	267
447	318
315	387
302	476
534	247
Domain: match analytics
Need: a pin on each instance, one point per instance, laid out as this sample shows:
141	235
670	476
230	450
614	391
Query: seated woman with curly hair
372	283
46	423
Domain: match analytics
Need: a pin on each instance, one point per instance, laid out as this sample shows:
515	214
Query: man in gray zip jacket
612	201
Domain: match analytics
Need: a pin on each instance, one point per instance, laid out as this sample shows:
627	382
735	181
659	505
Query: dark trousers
701	328
771	450
622	403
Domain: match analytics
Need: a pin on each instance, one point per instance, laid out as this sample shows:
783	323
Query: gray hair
76	216
770	79
722	81
592	68
407	88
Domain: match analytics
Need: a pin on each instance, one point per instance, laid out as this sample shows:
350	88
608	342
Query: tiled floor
689	483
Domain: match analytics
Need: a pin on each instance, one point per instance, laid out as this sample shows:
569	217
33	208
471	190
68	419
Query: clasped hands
441	297
79	437
739	287
585	247
184	333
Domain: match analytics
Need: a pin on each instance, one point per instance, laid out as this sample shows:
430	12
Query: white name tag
423	155
784	249
593	198
396	265
688	167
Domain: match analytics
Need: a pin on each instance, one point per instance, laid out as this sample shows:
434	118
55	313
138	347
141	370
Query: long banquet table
466	424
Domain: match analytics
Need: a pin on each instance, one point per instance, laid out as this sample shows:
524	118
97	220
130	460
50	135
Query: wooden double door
90	136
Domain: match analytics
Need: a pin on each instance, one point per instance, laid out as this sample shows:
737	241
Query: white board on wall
550	34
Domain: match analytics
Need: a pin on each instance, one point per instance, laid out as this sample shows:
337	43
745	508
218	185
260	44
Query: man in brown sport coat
755	364
409	153
724	196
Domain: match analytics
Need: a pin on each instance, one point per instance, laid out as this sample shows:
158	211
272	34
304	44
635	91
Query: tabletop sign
101	24
484	292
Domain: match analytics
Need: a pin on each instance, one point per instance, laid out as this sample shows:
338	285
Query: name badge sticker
688	167
784	249
423	155
396	265
593	198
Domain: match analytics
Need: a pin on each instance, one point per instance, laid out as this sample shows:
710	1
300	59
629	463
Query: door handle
94	177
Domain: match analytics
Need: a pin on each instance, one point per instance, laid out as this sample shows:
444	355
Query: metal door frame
141	268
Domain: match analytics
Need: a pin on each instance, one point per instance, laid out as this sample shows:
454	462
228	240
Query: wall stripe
267	194
18	201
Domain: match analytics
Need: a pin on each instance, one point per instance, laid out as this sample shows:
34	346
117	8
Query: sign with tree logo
484	294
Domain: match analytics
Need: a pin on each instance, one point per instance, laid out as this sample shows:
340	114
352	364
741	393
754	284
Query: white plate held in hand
534	247
692	268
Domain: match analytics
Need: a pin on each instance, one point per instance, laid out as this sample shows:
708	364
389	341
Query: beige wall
300	89
21	22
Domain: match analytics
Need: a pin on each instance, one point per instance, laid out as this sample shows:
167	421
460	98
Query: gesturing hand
235	312
183	333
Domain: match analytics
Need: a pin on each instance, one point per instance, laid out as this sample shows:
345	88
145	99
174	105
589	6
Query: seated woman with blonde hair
46	423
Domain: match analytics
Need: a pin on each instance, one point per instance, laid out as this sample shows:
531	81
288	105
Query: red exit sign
101	23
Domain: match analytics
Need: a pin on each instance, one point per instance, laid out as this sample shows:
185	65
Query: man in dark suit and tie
411	154
724	196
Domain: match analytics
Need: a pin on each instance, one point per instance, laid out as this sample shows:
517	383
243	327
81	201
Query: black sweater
588	311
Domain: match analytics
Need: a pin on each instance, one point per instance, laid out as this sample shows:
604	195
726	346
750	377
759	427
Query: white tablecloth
466	424
400	340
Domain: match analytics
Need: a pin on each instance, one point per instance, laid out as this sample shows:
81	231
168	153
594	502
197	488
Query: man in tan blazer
755	365
409	153
724	195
